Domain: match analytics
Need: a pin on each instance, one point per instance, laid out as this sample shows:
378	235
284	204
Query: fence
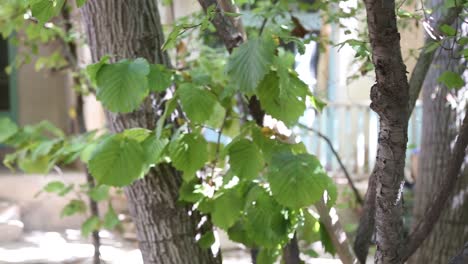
352	128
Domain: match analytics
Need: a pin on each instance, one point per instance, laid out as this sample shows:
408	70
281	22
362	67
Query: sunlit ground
70	247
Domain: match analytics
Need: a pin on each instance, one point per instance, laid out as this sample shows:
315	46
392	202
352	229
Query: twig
218	142
337	156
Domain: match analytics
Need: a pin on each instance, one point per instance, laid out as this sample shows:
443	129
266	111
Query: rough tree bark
390	101
441	122
165	230
367	222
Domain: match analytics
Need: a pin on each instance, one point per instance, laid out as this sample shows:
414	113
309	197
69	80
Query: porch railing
352	129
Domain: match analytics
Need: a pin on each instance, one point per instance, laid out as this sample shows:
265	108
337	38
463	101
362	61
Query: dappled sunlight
53	247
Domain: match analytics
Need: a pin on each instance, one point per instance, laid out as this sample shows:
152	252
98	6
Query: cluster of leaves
39	148
257	187
251	180
28	23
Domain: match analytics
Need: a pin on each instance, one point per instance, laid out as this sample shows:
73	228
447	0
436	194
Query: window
5	104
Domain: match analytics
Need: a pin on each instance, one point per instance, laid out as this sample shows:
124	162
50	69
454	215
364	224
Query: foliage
255	183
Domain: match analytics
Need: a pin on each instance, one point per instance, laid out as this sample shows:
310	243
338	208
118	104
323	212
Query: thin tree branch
357	195
425	226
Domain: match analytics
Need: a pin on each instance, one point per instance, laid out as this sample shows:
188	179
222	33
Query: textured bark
390	101
228	31
165	229
291	252
367	223
462	257
441	122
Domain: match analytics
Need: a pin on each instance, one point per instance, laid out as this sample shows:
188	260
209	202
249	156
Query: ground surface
70	248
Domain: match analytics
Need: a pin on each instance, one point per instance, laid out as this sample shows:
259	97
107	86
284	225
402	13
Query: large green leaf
245	159
122	86
117	161
91	224
74	207
264	221
197	103
189	154
154	148
282	95
296	181
44	10
111	219
159	78
227	209
93	69
7	129
99	193
250	62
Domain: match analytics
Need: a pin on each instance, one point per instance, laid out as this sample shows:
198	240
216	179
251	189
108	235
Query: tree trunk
390	101
165	229
441	123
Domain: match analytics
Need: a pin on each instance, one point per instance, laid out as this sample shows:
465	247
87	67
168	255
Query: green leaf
310	230
451	80
40	165
42	148
197	103
188	193
117	161
91	224
296	181
326	240
448	30
73	207
99	193
282	95
250	62
245	159
206	240
111	219
7	129
317	104
44	10
66	190
264	221
238	233
189	154
462	41
54	187
227	209
122	86
159	78
138	134
80	3
93	69
154	148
